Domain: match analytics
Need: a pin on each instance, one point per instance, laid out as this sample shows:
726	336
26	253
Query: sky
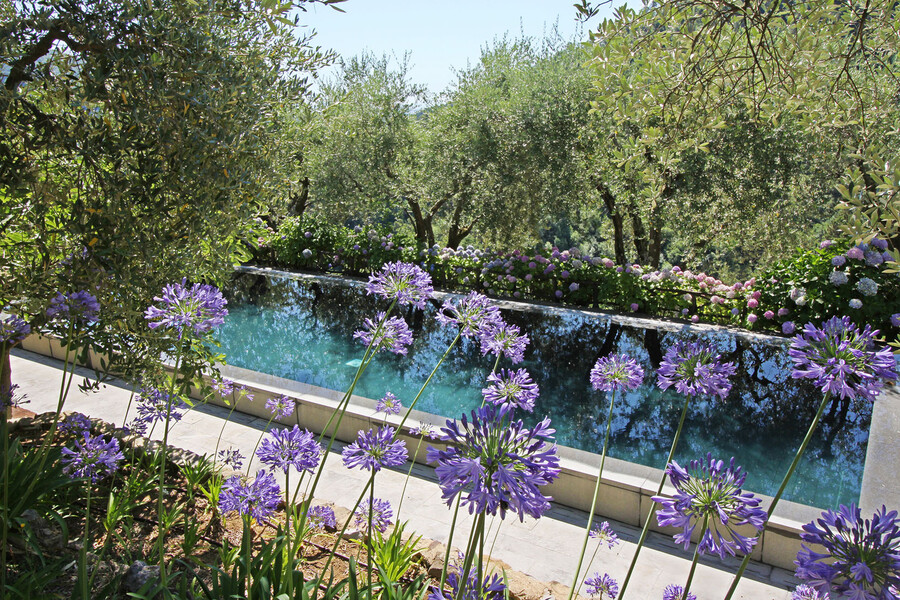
440	35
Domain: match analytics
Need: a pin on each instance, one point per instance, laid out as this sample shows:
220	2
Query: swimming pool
301	329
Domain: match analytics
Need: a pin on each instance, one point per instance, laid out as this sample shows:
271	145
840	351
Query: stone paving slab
547	549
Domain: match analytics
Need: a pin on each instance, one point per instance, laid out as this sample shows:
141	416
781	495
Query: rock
138	575
48	536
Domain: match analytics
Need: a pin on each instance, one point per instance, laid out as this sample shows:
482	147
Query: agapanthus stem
427	381
290	533
161	538
787	477
222	431
412	463
340	534
258	440
687	585
247	543
576	583
646	528
474	535
82	566
369	553
449	542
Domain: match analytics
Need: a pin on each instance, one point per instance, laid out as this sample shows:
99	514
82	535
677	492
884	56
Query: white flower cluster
867	287
838	277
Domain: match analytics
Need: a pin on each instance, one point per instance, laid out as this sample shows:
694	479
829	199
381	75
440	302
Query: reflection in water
302	330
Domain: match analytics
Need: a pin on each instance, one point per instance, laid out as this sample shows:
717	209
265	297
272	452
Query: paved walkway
547	549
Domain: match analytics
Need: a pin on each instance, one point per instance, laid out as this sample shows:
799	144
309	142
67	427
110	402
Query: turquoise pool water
301	329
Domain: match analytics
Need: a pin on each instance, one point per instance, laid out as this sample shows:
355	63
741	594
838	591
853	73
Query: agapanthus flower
473	314
135	427
382	515
388	404
394	334
281	407
616	372
861	558
93	459
602	586
75	423
423	430
504	339
373	450
513	389
805	592
223	387
490	587
13	330
605	534
404	282
9	398
676	592
231	458
154	405
838	277
257	499
867	286
321	517
695	369
199	308
497	465
286	448
842	360
79	307
709	489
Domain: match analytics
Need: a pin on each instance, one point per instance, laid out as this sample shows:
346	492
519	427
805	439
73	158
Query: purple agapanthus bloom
321	517
373	450
154	405
602	586
388	404
805	592
710	489
423	430
404	282
473	314
498	465
382	515
10	399
616	372
135	427
286	448
695	369
231	458
223	387
79	307
393	334
93	459
257	499
490	587
199	308
13	330
676	592
861	557
75	423
842	360
512	389
281	407
504	339
605	533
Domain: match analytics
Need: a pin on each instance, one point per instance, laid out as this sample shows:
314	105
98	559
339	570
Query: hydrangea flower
676	592
373	450
855	303
13	330
394	334
199	308
75	423
231	458
257	499
79	307
788	327
855	253
504	339
841	359
838	278
404	282
873	258
473	314
879	244
382	515
491	587
512	389
708	489
804	592
286	448
895	319
605	533
867	286
93	459
695	369
602	586
861	558
321	517
281	407
153	405
388	404
498	465
838	261
616	372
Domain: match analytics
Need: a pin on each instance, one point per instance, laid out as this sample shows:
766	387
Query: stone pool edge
625	489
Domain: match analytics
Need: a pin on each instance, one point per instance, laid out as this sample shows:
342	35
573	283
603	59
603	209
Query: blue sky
440	35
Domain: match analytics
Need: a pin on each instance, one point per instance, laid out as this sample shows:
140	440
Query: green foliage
393	555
